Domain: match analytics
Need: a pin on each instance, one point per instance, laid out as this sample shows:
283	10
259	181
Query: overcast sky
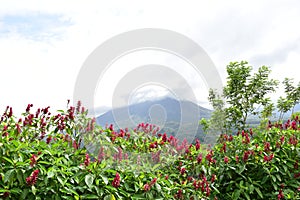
43	44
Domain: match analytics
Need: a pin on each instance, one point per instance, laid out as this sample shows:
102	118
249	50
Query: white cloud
44	71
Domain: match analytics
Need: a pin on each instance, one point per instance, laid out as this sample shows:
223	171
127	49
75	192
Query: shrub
67	156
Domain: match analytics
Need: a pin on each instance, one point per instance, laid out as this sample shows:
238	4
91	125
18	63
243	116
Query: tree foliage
244	94
285	104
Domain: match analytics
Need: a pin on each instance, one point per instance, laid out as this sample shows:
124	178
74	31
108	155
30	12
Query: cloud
278	55
34	26
43	46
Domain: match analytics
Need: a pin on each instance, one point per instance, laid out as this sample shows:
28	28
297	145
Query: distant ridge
167	113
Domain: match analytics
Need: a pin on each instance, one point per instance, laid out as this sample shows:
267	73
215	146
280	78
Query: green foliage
243	95
66	156
46	156
217	123
261	165
285	104
245	92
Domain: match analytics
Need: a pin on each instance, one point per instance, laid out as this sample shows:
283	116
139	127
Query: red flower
75	146
33	160
153	182
87	160
6	194
196	184
223	149
226	159
10	112
280	195
209	157
48	140
230	138
246	155
28	107
31	180
178	195
267	146
101	154
182	171
111	127
297	175
282	139
198	145
146	187
213	178
164	137
199	158
294	125
116	181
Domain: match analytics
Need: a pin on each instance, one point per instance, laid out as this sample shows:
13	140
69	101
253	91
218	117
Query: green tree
217	122
245	93
285	104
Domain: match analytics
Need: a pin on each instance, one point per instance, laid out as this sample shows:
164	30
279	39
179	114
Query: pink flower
116	182
199	158
153	182
178	195
182	171
198	145
267	146
33	160
75	146
31	180
280	195
48	140
226	159
213	178
246	155
87	160
146	187
230	138
223	149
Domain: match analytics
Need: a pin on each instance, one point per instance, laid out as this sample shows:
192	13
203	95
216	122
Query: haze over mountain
178	118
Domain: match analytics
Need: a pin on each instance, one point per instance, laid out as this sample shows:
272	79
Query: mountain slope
175	117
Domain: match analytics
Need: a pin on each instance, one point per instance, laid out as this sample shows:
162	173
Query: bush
67	156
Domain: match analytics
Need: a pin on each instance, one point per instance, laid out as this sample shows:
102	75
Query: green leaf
247	196
20	176
33	189
60	180
258	192
241	169
285	168
204	169
50	174
273	178
251	188
109	197
8	175
158	187
155	167
278	177
89	179
89	196
9	160
104	178
24	194
236	194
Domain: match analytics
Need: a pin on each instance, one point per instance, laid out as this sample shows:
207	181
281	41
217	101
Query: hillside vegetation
65	155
